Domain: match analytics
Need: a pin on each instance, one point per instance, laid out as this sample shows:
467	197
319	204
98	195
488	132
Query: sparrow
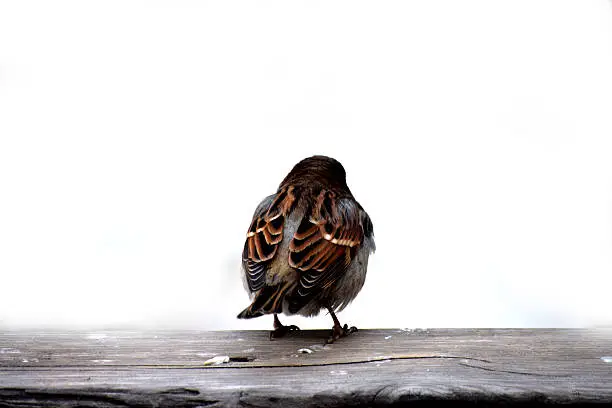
307	247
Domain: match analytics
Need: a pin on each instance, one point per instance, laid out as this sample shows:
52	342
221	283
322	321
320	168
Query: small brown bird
307	247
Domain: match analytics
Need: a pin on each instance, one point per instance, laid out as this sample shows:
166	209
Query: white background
137	137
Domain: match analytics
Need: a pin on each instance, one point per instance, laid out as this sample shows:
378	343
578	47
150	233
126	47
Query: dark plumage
307	247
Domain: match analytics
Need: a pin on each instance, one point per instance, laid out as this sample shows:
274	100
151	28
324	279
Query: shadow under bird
307	247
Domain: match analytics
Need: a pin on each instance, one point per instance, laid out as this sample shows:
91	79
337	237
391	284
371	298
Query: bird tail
267	301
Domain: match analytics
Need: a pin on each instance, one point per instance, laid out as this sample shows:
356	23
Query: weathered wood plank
371	367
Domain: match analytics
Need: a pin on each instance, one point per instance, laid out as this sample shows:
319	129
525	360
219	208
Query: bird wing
325	243
264	235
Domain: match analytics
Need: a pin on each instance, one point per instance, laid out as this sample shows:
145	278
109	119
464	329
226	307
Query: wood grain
368	368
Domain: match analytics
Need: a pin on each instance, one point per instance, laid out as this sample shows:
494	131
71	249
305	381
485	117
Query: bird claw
338	331
281	330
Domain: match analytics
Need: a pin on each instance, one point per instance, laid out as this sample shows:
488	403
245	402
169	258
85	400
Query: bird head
317	170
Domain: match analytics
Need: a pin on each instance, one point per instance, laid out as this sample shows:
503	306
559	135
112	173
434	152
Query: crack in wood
349	362
515	372
102	397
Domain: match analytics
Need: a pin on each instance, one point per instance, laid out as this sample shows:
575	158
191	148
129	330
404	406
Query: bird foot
281	330
340	331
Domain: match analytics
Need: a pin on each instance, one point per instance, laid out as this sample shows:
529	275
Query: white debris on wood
96	336
217	360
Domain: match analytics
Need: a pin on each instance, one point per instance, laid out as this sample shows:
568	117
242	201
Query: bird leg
339	330
280	330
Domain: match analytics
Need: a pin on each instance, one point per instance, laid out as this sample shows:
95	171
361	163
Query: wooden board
369	368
